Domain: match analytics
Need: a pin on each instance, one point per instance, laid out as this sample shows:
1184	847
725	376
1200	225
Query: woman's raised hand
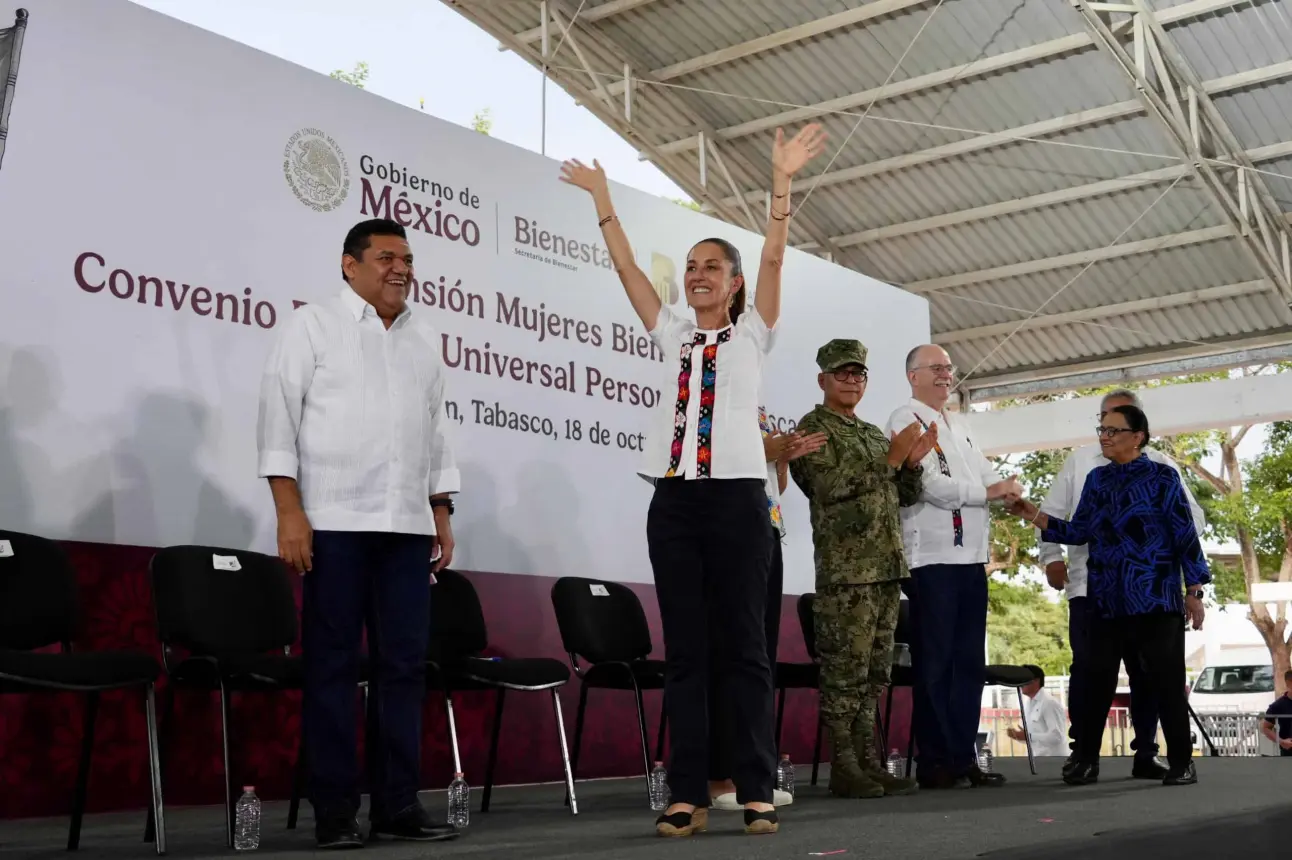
789	156
591	179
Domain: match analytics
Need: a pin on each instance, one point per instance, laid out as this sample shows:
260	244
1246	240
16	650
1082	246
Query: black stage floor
1240	807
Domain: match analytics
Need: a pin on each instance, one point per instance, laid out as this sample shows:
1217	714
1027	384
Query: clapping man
946	539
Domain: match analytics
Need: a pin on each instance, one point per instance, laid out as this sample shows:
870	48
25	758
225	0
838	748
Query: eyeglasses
1112	432
947	369
845	375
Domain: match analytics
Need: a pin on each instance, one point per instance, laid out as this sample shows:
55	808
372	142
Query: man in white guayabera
946	538
354	442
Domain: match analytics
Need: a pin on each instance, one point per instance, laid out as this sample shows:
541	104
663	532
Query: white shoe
727	802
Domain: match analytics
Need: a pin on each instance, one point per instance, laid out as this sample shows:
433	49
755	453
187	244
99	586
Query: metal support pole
628	93
543	16
703	162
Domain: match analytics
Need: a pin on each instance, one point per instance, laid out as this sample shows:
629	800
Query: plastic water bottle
895	764
659	793
985	759
246	821
785	776
459	802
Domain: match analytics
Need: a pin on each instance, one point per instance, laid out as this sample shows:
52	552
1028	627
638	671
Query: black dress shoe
413	824
938	779
1148	767
337	832
1083	774
980	778
1187	775
1070	762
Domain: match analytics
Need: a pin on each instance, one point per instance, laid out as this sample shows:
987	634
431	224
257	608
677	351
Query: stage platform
1240	808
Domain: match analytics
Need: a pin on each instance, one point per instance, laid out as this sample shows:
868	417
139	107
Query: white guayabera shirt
355	413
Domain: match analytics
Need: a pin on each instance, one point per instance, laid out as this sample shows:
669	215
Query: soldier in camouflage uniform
854	486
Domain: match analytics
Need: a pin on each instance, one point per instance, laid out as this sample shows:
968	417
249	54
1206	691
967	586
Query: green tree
1250	504
1024	626
482	122
357	77
687	204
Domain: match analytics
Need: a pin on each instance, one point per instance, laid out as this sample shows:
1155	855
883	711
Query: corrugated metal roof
1006	169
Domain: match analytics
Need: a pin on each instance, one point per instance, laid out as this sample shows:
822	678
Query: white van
1227	696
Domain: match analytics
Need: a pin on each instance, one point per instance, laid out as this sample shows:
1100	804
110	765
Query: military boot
893	786
863	742
847	779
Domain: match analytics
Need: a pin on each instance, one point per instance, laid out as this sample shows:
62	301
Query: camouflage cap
840	353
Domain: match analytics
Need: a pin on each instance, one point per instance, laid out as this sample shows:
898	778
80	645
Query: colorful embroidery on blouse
708	384
957	520
773	507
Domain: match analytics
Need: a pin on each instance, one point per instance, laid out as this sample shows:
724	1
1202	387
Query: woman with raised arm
708	532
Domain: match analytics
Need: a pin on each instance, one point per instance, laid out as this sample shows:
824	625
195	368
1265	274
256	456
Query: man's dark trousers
1143	699
381	580
948	606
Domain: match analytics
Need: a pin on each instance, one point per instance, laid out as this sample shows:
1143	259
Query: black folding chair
1017	677
902	676
798	676
458	637
227	619
807	623
39	608
1000	675
603	624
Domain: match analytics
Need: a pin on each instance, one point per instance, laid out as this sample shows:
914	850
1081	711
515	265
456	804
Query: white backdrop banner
165	209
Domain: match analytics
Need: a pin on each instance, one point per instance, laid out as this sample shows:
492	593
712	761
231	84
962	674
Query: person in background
779	449
1071	576
854	487
354	441
946	538
1134	517
707	530
1281	710
1045	718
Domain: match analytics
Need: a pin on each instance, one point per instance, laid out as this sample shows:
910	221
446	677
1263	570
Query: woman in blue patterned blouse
1135	519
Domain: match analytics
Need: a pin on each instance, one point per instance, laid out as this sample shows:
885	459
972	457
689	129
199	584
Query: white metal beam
481	15
1154	363
1079	258
567	38
601	48
788	36
1250	213
596	13
1272	227
1172	409
978	68
1040	201
1104	312
1042	129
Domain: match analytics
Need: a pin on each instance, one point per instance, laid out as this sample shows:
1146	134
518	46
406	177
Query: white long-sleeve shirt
355	413
1047	724
1062	501
928	527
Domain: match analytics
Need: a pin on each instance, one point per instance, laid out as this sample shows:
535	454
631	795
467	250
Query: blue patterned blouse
1136	521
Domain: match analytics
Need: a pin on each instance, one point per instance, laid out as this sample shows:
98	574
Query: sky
422	49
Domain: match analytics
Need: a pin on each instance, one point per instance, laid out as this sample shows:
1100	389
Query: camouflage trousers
854	640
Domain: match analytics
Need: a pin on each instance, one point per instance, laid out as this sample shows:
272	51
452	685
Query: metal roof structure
1085	191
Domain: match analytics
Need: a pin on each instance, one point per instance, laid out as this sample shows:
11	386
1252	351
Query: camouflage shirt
853	496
